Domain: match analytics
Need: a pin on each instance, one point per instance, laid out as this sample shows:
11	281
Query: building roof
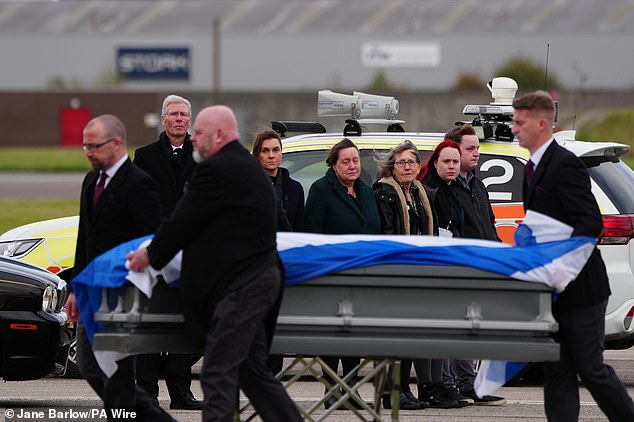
394	17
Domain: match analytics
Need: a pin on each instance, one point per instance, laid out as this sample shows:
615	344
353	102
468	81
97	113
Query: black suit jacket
157	160
128	208
560	188
225	225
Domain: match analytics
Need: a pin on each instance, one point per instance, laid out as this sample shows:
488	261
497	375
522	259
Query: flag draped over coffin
306	256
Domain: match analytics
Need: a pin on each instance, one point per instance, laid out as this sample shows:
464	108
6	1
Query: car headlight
49	299
17	248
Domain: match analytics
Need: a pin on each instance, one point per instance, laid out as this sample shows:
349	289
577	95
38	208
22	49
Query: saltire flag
536	229
306	256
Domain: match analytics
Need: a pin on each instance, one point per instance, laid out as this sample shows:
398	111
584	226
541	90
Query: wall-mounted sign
400	54
154	63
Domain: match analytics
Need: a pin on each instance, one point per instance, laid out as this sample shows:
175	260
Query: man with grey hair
169	161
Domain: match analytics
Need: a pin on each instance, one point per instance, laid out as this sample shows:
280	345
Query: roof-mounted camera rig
494	119
360	108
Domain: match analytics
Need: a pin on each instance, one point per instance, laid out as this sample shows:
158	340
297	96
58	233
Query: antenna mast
546	70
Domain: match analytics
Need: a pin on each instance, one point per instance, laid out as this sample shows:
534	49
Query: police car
500	167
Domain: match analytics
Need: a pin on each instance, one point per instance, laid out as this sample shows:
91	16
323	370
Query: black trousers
120	390
236	352
581	333
178	374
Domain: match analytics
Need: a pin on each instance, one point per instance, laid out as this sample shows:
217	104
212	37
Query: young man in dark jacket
479	223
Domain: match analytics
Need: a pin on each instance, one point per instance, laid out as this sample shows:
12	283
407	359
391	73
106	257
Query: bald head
111	125
215	127
104	141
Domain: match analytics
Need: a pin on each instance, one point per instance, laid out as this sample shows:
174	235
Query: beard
197	156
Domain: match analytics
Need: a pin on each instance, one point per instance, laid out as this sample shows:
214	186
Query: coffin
398	311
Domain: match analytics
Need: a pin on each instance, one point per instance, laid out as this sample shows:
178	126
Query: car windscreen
501	174
616	180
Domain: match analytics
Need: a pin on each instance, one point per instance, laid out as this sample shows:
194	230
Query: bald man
231	280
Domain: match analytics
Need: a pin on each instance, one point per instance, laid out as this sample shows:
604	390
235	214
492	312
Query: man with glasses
119	202
169	161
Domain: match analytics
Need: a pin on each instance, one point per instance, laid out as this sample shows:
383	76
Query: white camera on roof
335	104
503	90
377	106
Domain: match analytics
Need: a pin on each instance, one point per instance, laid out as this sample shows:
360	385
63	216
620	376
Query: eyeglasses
95	147
403	163
177	114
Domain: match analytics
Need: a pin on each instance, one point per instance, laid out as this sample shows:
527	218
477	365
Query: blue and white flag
536	229
306	256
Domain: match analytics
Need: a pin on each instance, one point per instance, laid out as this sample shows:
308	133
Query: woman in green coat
341	203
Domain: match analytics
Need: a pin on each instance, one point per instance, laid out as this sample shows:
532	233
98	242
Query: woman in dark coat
405	208
341	203
267	149
440	173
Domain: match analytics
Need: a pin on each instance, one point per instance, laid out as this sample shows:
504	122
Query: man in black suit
231	280
119	202
169	161
557	184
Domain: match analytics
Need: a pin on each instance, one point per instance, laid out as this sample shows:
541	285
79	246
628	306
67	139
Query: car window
305	166
308	166
615	179
501	174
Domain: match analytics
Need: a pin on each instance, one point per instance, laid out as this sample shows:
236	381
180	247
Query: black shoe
484	401
456	393
441	397
405	402
187	402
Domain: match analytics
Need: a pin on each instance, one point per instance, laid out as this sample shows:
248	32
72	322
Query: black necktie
178	154
529	170
101	184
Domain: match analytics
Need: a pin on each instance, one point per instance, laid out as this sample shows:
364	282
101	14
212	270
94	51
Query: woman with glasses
405	208
404	205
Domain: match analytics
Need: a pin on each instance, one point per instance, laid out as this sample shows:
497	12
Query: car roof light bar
488	110
282	127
